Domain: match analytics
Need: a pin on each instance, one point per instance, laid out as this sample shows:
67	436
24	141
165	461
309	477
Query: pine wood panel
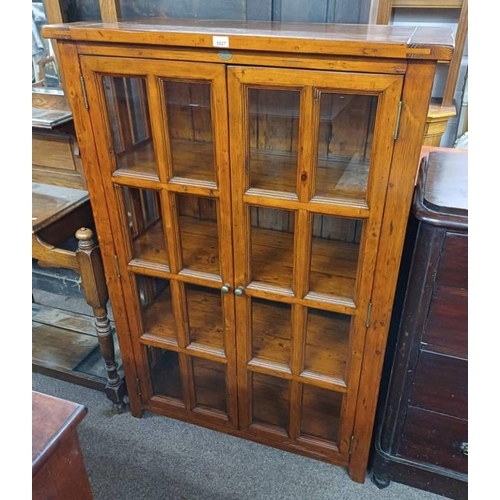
286	383
345	40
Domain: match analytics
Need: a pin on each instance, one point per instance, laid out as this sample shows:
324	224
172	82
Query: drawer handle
464	448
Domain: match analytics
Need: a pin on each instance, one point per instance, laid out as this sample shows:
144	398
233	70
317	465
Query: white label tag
220	41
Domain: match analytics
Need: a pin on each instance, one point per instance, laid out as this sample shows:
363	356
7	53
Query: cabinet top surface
52	418
442	194
415	42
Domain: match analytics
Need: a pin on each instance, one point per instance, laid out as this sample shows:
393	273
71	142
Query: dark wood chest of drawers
421	437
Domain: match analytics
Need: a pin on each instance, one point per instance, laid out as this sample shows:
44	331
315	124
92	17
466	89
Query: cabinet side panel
416	97
71	70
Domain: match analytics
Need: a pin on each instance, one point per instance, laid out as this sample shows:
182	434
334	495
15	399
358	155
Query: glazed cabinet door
310	156
162	142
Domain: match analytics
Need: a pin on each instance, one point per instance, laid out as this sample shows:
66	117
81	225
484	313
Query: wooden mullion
159	126
187	376
308	152
299	323
302	253
295	409
172	231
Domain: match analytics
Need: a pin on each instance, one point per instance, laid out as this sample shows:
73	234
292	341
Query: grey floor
155	457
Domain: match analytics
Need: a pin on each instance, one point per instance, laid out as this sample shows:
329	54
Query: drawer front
441	384
53	152
453	265
447	322
434	439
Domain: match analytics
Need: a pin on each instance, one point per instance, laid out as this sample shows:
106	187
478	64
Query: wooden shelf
321	410
65	346
209	380
270	401
333	263
327	345
336	178
187	157
205	318
271	331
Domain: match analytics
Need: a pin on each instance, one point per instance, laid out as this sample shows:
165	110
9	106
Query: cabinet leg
380	481
96	294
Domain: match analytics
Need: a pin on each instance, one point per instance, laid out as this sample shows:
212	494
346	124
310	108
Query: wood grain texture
285	351
345	40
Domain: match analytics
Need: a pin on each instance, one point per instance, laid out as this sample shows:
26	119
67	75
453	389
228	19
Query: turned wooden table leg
96	294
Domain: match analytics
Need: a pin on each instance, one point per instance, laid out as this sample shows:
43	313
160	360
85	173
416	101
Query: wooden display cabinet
251	184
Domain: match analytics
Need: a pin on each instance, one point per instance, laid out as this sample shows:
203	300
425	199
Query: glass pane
335	255
320	413
274	130
344	146
210	384
199	235
327	343
143	210
270	400
128	114
82	10
272	246
271	331
155	298
165	373
206	324
189	117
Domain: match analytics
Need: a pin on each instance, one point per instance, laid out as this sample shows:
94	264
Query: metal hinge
84	90
368	314
351	444
138	387
117	267
398	119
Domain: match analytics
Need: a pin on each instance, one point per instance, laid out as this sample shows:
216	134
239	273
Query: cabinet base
386	468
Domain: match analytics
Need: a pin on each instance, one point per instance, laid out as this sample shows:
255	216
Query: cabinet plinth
251	206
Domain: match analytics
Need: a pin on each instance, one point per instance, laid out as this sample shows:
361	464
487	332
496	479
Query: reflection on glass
344	145
143	212
128	114
44	69
164	372
199	233
272	238
210	384
270	403
205	319
327	343
155	298
274	130
335	255
320	413
271	331
189	117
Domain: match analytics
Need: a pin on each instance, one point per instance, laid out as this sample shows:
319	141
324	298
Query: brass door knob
239	291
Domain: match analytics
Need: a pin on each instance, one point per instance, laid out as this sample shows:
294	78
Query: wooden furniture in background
442	109
421	437
58	466
61	342
55	155
271	252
